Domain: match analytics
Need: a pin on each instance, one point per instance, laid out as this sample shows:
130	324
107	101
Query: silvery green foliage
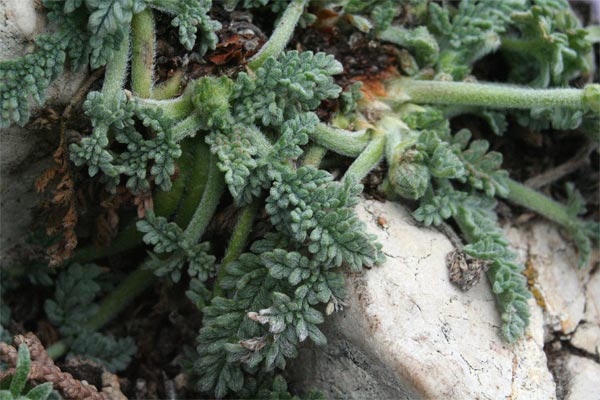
280	96
273	289
462	180
470	31
418	41
192	20
114	353
73	303
119	116
108	16
72	307
251	162
477	219
269	386
168	237
29	76
285	87
18	381
89	32
550	47
269	313
583	233
308	206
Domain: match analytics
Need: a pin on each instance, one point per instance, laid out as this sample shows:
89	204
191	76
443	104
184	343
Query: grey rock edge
408	333
25	152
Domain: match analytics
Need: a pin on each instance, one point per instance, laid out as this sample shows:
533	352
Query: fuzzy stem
487	95
142	53
187	127
341	141
314	155
114	77
520	45
168	88
536	201
176	109
196	182
281	35
113	304
368	159
239	237
210	200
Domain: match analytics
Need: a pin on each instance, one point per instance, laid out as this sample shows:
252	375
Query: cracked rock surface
25	152
407	332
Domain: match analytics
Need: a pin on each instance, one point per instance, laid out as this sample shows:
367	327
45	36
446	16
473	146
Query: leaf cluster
274	289
168	237
89	32
143	160
453	176
72	308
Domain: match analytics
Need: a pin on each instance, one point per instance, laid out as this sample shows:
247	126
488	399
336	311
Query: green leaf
17	384
40	392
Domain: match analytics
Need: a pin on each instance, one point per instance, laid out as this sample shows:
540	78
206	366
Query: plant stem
114	303
536	201
114	77
196	182
239	237
168	88
215	185
341	141
188	127
492	95
368	159
314	155
142	53
281	35
520	45
176	109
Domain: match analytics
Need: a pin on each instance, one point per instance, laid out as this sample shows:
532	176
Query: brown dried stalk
44	370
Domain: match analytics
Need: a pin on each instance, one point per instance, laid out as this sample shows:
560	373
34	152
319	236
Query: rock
592	298
25	152
587	335
587	338
407	332
559	283
19	22
582	378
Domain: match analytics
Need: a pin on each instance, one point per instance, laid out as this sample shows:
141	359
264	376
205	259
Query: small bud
409	178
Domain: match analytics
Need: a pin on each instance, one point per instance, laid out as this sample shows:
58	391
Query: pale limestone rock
407	332
559	282
25	152
592	297
23	15
587	338
583	378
